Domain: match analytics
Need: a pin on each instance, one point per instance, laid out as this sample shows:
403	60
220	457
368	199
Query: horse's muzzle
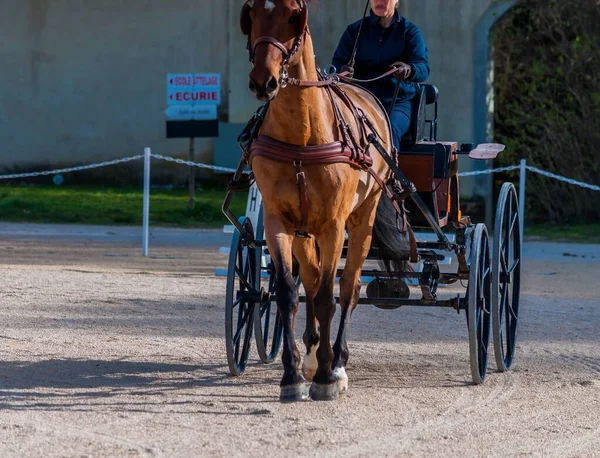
266	90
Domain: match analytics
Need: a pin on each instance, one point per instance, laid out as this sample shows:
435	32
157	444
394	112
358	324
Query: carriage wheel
268	327
506	276
479	303
243	283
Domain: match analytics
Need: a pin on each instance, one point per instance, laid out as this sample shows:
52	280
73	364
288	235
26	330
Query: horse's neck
301	116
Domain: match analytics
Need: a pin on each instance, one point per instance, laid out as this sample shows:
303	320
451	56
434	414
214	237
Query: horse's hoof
293	393
324	392
342	379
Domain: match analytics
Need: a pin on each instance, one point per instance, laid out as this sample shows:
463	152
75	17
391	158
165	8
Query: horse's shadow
79	384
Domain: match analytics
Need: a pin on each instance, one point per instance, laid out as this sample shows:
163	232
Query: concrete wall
84	80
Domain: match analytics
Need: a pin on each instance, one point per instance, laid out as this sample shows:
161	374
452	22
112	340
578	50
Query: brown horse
324	199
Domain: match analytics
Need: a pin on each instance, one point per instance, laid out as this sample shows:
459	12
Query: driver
386	40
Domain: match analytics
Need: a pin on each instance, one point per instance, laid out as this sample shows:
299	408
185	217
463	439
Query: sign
193	89
191	112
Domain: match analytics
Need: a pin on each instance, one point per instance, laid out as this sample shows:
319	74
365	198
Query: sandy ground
106	353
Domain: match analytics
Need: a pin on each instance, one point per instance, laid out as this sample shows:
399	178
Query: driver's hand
347	69
403	71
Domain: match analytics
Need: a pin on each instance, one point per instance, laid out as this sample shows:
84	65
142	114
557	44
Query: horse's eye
294	18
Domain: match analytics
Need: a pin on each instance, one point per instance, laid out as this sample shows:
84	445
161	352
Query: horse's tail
392	246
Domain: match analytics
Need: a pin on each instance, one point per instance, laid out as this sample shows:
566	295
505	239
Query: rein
334	79
355	80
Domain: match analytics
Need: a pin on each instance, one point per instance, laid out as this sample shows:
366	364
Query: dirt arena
106	353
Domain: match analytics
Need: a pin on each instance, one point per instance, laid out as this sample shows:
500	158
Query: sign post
192	100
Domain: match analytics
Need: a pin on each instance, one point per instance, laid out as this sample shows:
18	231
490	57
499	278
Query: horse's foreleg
286	293
331	242
306	253
359	226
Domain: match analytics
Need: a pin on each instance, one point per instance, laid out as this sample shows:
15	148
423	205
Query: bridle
284	76
288	54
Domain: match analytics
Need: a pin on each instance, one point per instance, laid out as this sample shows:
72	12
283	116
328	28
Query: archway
483	96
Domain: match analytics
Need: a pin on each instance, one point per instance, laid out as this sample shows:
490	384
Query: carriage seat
430	165
432	93
427	94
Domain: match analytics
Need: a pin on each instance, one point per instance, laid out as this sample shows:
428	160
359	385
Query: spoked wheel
479	303
268	327
243	284
506	276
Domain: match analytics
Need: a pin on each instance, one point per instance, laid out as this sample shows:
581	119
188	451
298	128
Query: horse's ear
245	21
303	16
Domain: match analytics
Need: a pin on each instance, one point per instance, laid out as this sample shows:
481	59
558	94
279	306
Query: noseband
287	54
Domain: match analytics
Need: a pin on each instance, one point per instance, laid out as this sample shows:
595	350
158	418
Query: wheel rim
479	303
268	326
240	302
507	278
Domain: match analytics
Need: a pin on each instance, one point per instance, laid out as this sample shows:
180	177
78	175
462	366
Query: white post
146	215
522	197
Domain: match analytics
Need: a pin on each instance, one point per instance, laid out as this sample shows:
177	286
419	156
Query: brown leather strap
355	113
330	153
354	80
412	240
272	41
304	200
305	83
331	80
339	117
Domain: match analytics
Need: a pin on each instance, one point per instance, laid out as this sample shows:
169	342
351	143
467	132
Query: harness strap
341	122
354	80
330	153
274	42
356	113
337	152
401	212
304	201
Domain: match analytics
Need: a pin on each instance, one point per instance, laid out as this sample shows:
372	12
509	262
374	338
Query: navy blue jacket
380	47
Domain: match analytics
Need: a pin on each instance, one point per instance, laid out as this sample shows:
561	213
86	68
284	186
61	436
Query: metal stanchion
146	215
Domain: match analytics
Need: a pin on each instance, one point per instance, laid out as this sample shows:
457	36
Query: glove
404	71
348	69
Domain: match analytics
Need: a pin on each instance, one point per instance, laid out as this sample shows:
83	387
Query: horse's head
275	30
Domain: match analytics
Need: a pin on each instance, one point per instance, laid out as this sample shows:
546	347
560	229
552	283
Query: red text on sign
197	96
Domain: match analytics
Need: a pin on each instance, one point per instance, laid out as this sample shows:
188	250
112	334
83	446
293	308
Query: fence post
146	214
522	197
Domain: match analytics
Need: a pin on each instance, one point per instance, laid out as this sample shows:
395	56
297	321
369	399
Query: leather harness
350	150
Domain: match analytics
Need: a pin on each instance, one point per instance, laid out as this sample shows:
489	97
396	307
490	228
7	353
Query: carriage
488	267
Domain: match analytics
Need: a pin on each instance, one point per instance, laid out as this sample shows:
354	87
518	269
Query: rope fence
523	167
216	168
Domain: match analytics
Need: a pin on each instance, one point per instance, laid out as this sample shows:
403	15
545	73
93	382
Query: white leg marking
310	363
342	379
269	6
